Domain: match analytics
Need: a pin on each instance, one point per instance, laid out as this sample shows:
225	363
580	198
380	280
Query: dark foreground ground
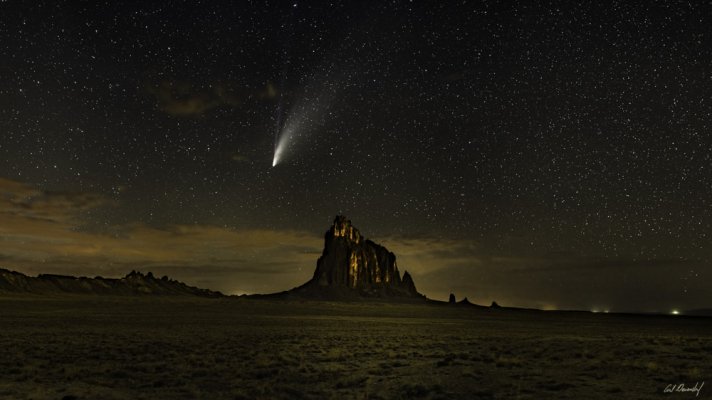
148	348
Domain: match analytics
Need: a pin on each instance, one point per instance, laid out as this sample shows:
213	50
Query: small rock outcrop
465	302
451	300
351	266
494	305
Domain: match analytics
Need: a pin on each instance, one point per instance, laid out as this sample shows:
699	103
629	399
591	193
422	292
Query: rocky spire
351	262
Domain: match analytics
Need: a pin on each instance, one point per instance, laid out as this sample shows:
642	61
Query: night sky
555	156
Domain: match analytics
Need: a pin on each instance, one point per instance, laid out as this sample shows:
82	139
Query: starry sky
553	155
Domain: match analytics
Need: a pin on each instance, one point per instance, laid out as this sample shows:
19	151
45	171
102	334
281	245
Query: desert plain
163	347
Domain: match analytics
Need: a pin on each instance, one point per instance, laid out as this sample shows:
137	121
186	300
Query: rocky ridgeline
353	266
134	283
350	267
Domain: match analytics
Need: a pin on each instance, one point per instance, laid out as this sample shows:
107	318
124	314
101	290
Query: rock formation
353	266
451	300
465	302
350	268
134	283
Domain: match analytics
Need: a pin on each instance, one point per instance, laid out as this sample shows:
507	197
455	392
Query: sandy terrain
148	348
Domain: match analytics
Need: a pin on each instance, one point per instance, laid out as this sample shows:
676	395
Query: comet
283	140
279	148
302	120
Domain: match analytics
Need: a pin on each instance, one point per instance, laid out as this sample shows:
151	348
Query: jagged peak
342	227
408	283
139	275
407	279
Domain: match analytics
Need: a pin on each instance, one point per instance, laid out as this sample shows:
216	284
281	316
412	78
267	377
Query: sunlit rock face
350	261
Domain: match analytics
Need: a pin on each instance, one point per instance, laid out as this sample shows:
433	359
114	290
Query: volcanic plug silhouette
351	266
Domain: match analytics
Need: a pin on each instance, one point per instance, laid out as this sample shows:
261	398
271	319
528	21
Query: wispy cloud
187	100
23	201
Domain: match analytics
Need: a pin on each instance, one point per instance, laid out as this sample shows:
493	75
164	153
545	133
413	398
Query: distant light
675	312
599	310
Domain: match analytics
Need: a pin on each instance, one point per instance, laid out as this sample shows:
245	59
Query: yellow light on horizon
675	312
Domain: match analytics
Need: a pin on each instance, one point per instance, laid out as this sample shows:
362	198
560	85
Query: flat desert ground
85	347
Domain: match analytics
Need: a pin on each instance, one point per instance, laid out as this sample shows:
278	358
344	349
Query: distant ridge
351	267
135	283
